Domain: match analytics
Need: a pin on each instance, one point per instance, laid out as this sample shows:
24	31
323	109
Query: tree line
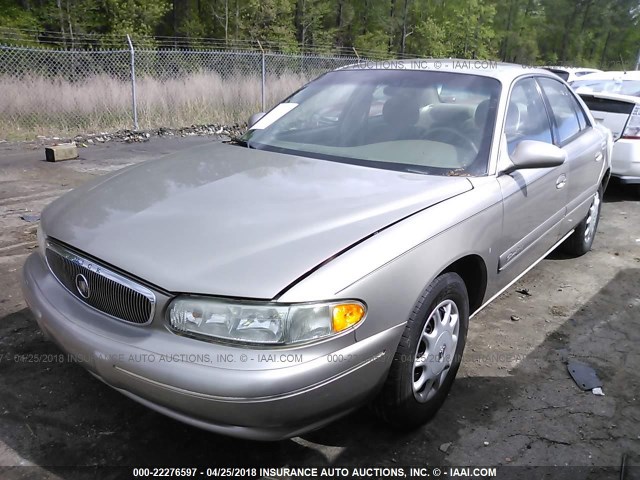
599	33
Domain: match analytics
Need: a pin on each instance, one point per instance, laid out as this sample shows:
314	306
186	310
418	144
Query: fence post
263	77
134	99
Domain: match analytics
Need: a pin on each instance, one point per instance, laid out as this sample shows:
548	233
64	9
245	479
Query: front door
534	200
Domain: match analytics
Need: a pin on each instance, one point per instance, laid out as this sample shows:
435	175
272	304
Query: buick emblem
82	286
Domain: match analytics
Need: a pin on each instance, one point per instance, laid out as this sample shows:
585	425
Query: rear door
584	145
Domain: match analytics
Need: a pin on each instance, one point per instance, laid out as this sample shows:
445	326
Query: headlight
42	240
263	323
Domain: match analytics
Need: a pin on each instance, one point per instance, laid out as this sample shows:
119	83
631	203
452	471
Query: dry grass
34	106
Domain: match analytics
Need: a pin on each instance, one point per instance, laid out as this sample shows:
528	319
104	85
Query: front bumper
260	394
625	161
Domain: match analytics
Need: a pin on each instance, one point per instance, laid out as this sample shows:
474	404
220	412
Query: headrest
512	123
447	113
482	111
401	110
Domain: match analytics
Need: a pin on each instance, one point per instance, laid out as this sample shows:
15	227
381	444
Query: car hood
225	220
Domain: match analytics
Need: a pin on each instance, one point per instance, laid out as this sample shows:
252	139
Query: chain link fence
67	92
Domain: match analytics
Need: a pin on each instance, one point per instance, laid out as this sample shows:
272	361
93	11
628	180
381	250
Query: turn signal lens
346	315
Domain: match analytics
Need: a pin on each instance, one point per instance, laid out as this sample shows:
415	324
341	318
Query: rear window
607	105
563	74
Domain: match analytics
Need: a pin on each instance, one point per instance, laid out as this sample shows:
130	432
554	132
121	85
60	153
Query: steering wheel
452	134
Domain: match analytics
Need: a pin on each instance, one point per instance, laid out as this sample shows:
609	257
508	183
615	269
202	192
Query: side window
568	115
582	117
527	117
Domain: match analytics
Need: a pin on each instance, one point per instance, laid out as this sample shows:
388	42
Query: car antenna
624	67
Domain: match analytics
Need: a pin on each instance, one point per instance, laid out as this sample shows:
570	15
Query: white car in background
569	74
614	101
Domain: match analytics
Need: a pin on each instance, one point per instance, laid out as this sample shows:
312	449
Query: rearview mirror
253	119
535	154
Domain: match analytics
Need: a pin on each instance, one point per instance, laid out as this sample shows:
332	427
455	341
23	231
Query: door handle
561	181
598	156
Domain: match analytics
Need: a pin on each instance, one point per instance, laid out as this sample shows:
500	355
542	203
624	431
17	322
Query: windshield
622	87
419	121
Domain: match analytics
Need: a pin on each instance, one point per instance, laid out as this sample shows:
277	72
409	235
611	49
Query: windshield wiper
240	142
458	172
415	170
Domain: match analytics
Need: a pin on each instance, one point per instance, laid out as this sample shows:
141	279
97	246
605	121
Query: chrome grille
99	287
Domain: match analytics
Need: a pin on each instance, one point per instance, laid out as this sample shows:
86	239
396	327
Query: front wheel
428	356
581	240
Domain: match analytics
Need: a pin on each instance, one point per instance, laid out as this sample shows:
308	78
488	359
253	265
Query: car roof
505	72
612	75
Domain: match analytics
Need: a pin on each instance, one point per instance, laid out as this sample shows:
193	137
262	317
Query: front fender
390	270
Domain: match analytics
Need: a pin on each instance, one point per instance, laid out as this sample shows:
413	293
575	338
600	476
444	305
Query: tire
402	402
581	240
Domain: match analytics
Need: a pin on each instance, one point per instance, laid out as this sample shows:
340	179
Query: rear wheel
581	240
428	356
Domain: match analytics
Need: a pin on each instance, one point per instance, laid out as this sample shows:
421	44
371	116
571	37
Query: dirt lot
513	403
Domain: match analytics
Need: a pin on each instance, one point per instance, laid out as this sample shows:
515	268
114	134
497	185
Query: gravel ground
513	403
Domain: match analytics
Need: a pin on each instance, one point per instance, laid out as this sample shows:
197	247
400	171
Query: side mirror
535	154
253	119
